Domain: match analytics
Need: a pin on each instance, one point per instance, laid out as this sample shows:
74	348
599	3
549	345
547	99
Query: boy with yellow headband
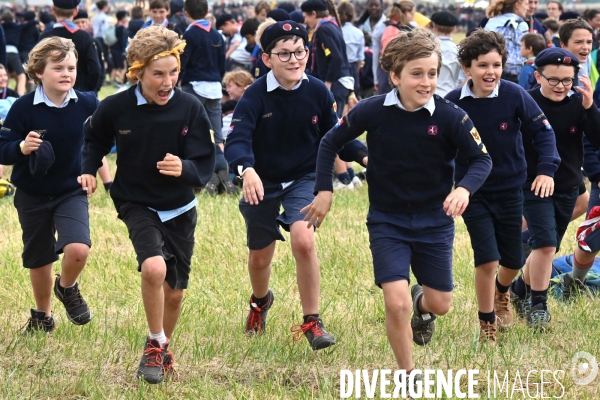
164	150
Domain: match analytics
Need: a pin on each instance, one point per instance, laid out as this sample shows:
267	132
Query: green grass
214	358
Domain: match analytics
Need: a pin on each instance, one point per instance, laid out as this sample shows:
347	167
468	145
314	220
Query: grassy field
216	360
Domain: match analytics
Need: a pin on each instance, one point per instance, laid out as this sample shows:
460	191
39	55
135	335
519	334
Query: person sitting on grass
164	150
410	220
42	136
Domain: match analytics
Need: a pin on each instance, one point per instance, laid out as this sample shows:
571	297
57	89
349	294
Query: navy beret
568	15
278	14
29	15
41	160
313	5
66	4
297	16
444	18
222	19
288	7
81	14
556	56
282	28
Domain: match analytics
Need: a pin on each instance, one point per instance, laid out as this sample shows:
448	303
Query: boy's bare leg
154	271
172	310
73	262
307	266
398	307
41	282
538	268
259	269
435	301
485	286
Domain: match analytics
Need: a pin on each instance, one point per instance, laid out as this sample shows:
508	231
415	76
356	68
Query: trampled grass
214	358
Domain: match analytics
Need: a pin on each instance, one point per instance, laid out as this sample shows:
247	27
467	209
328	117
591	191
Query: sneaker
78	311
256	321
151	363
538	318
362	175
521	305
225	184
503	309
315	333
167	369
487	332
39	322
356	183
338	185
423	325
212	185
572	287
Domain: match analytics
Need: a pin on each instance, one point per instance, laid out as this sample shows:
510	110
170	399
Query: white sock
162	339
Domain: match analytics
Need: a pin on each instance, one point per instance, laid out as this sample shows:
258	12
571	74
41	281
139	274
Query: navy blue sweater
278	132
63	129
2	48
133	27
591	161
411	154
12	33
328	60
204	57
30	35
366	72
499	120
570	122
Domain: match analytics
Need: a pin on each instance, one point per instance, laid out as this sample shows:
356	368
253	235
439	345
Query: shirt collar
40	97
273	84
392	99
466	91
141	100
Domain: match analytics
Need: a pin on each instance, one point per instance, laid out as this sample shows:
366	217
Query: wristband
21	145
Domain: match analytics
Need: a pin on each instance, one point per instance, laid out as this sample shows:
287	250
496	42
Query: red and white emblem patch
432	130
287	27
567	60
315	119
573	129
503	126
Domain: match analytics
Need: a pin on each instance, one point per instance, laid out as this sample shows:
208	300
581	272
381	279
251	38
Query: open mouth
489	80
423	92
164	94
583	56
293	69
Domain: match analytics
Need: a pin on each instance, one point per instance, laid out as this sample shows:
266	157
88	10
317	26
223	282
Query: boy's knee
259	259
303	245
440	307
547	251
77	251
154	270
174	297
398	308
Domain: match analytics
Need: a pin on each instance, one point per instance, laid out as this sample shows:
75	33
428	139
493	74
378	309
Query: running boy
49	199
499	108
572	114
410	175
164	150
273	144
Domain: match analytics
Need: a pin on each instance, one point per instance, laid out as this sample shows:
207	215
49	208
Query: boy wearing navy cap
273	142
570	111
42	136
499	109
88	64
451	74
410	175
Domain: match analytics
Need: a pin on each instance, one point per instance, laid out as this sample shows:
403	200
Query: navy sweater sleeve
591	161
544	140
592	125
334	54
10	152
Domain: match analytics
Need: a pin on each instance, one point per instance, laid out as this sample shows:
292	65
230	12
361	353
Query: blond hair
240	77
398	11
148	43
261	28
408	46
54	49
500	7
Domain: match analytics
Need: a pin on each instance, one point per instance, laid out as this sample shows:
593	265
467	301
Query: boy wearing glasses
272	144
571	112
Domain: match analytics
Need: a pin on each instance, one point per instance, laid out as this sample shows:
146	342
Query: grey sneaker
151	364
538	318
521	305
78	311
39	322
315	333
423	325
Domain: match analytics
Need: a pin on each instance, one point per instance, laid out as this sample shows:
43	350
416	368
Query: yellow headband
175	51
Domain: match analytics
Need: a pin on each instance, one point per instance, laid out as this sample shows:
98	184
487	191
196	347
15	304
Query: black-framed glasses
555	81
285	56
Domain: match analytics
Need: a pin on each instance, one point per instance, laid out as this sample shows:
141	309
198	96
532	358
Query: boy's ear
267	60
538	77
395	78
563	45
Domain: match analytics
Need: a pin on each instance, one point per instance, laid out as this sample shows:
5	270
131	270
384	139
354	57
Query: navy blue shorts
41	217
173	240
548	218
264	219
494	221
421	241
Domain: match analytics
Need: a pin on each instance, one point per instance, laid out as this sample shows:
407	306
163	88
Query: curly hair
500	7
149	42
481	42
408	46
54	49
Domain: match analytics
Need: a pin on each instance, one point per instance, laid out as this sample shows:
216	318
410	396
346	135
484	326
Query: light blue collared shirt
141	100
273	84
40	97
355	42
169	214
466	91
392	99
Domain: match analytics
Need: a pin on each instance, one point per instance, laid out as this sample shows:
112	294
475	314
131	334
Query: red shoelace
154	356
299	330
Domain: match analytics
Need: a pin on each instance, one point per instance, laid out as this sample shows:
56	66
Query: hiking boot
538	318
256	321
521	305
151	363
212	185
503	309
487	332
225	184
572	287
78	311
423	325
167	369
315	333
39	322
